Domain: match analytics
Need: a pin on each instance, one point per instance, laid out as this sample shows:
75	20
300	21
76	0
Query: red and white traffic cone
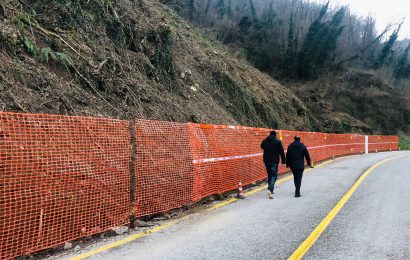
240	191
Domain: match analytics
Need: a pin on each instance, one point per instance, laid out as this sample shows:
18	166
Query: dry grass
127	59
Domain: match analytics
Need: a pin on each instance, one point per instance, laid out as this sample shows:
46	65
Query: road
373	224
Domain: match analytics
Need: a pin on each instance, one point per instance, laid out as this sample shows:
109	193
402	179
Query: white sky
384	11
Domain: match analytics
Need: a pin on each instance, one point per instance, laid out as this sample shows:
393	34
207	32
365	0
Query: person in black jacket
272	149
295	160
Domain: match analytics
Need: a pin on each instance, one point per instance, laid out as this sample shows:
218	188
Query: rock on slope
123	58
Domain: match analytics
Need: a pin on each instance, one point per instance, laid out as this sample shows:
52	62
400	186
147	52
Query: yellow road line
308	243
123	241
171	223
222	204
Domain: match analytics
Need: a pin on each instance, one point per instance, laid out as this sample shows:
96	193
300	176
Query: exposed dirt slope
355	101
116	58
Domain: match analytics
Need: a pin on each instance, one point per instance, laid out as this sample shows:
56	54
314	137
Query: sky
384	11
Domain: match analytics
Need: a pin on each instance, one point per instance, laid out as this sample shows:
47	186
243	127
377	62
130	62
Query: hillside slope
352	78
375	105
123	58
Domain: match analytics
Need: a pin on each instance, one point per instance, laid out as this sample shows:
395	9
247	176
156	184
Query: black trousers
297	178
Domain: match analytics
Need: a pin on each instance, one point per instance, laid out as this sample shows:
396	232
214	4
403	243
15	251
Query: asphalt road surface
373	224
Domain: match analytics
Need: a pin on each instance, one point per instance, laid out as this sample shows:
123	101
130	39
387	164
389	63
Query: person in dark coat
295	160
272	149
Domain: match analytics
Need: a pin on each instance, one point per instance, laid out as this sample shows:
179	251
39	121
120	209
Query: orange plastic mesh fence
378	143
62	178
163	167
225	156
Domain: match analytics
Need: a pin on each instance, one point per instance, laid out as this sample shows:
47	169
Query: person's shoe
297	195
270	194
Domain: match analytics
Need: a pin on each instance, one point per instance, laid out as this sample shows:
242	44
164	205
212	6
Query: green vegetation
47	53
402	70
26	22
404	141
30	46
141	57
319	43
348	74
387	49
300	39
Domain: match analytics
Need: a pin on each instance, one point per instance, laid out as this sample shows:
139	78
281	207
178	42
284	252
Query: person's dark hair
297	138
273	133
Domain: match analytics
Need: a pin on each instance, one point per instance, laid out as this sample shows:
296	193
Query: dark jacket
296	154
272	148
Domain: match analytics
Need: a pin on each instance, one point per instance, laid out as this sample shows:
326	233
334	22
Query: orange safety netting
379	143
224	156
63	178
163	167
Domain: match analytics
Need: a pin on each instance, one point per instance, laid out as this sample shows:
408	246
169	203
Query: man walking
272	149
295	159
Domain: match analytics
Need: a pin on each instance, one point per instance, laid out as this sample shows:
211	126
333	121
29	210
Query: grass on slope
404	141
